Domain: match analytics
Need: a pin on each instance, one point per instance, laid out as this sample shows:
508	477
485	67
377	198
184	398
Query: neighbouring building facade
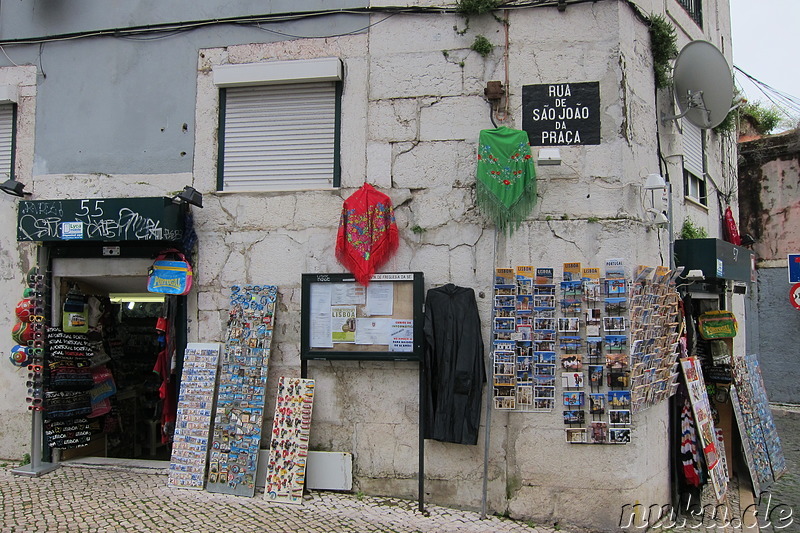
768	180
132	103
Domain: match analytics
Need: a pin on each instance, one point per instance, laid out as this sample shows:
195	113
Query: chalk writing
132	219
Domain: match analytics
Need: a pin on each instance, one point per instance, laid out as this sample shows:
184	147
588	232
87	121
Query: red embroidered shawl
367	235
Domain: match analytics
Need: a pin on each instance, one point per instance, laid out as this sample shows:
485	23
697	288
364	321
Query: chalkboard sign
100	219
558	114
342	319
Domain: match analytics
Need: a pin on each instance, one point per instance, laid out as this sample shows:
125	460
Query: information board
793	262
342	319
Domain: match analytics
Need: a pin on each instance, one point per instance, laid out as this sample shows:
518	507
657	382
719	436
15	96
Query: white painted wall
15	424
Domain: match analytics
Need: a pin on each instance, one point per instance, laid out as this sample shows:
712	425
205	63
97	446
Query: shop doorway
135	339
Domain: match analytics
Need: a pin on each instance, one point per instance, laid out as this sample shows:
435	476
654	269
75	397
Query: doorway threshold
144	466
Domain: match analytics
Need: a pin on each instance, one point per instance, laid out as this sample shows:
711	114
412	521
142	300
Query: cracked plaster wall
411	117
14	263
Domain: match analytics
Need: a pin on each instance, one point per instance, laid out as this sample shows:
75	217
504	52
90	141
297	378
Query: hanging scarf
367	235
506	180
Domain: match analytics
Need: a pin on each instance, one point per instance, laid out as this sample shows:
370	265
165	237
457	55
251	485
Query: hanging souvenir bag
171	273
75	315
717	325
729	227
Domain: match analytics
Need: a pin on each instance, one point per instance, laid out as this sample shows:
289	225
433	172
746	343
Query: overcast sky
765	44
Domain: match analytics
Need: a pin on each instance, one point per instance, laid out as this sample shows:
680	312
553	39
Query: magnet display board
236	437
760	440
288	451
344	320
193	422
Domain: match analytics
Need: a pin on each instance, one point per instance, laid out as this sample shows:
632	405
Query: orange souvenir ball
22	333
24	310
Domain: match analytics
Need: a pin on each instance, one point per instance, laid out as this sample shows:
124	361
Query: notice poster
372	330
187	466
321	295
402	335
343	323
380	299
348	294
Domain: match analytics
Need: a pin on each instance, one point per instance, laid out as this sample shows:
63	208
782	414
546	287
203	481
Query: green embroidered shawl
506	179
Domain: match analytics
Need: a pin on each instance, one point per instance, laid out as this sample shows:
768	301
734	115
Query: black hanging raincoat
454	365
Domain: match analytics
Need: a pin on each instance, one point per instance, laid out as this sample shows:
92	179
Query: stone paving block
95	499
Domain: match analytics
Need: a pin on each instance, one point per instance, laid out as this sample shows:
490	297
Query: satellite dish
703	85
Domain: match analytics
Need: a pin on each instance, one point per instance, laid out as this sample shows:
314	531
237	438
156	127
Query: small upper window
694	162
695	188
7	113
695	10
279	125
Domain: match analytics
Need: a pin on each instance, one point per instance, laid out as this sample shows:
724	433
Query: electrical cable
781	100
254	20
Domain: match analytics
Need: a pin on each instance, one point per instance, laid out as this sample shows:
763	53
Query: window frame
691	182
277	73
693	8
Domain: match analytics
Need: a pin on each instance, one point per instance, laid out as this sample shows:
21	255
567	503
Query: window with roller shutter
694	177
7	121
276	132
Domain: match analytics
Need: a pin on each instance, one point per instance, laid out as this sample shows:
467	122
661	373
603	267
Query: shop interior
130	334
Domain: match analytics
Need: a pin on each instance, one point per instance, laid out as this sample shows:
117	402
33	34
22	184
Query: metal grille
6	139
695	10
279	137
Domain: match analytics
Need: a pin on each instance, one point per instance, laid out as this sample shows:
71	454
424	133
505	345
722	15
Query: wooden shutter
6	139
279	137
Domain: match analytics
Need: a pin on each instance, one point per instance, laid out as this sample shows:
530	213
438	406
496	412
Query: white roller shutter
6	133
693	149
279	137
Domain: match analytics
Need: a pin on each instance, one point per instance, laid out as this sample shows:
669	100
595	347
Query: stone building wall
411	113
412	108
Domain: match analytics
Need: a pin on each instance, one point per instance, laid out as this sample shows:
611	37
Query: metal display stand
37	467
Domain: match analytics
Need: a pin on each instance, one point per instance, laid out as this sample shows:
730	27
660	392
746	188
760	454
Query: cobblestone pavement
79	499
786	491
781	498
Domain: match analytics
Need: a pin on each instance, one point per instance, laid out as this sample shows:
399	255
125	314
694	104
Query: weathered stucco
412	108
769	180
14	263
